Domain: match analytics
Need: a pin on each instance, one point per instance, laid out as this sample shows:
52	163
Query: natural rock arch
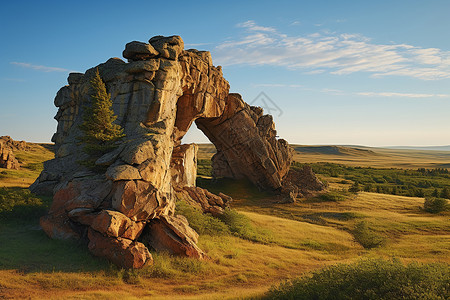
157	96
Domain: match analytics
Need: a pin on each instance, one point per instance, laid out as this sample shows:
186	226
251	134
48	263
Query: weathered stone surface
173	234
203	199
139	51
303	181
120	251
168	47
156	96
138	200
184	165
122	172
7	158
116	224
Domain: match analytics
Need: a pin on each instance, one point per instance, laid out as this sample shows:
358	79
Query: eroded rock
156	96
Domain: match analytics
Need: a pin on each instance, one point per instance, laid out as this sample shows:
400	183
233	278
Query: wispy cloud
402	95
251	25
338	92
282	85
195	45
338	54
40	67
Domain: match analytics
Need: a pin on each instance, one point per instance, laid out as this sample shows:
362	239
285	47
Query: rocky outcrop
7	158
156	95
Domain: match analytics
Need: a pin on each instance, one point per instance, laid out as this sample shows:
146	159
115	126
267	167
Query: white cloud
282	85
403	95
251	25
39	67
338	54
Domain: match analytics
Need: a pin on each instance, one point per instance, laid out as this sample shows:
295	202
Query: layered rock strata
156	95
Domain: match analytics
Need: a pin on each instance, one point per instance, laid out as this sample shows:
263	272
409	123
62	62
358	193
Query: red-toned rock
116	224
59	226
173	234
123	252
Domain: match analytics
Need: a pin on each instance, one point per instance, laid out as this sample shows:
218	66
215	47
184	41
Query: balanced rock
156	96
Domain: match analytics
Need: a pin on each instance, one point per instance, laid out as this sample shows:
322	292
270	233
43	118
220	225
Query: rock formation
157	95
7	158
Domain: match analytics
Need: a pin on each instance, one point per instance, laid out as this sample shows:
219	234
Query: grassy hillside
259	245
31	161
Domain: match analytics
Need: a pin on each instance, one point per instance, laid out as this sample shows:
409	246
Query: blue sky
370	73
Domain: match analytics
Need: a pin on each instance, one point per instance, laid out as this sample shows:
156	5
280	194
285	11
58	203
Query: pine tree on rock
99	132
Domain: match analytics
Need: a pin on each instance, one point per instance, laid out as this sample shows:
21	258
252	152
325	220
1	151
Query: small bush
334	196
20	203
366	237
200	222
369	279
241	226
435	205
355	188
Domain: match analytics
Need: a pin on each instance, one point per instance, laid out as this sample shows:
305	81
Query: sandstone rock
59	226
116	224
173	234
168	47
136	152
120	251
304	181
122	172
137	200
156	96
203	199
184	165
7	158
139	51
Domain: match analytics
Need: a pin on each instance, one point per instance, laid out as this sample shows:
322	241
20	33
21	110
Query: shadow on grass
242	189
25	247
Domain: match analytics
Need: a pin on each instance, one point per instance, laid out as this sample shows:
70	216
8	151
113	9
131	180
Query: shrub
435	205
200	222
369	279
355	188
19	203
366	236
334	196
241	226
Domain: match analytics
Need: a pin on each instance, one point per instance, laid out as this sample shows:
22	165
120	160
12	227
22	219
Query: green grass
369	279
366	236
414	183
230	222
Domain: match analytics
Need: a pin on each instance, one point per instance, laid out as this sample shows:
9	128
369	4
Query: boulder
139	51
173	234
123	252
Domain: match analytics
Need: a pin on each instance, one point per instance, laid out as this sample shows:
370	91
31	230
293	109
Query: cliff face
157	95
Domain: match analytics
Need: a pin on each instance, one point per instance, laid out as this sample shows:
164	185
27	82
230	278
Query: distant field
361	156
373	157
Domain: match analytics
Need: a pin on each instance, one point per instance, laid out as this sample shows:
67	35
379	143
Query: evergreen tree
99	131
